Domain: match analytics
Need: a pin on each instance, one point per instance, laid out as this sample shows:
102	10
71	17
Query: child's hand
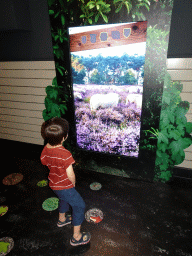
71	174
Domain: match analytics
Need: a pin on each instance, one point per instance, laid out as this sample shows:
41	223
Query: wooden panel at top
186	164
22	90
26	82
20	112
129	33
189	149
187	86
179	63
186	96
38	141
181	75
22	119
27	65
20	105
45	74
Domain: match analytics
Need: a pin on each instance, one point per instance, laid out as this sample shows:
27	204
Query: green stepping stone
50	204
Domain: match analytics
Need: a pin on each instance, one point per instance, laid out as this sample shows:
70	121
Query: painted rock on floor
6	245
50	204
95	186
42	183
94	215
3	210
13	179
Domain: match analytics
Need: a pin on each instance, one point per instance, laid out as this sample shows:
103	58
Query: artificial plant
174	133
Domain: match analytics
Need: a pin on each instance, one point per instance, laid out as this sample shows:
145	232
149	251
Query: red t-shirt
57	160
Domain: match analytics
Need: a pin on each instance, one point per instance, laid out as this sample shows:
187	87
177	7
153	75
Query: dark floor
140	218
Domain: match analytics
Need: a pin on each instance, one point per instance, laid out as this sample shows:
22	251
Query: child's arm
71	174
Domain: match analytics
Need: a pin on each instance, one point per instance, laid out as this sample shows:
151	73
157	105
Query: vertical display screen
107	65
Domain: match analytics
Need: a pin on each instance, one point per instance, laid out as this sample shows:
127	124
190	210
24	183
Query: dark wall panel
180	39
33	44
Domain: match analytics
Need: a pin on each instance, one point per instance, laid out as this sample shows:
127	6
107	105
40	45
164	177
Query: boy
62	177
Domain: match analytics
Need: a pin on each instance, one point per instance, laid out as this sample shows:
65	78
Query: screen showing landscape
107	77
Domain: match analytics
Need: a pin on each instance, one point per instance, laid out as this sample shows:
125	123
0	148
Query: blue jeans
71	197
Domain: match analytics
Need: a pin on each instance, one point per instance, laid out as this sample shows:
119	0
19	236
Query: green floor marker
6	245
3	210
95	186
50	204
42	183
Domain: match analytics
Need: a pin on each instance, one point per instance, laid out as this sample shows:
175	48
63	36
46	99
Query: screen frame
96	154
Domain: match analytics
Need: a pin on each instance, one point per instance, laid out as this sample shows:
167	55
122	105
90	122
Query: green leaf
171	117
62	19
166	97
189	127
158	161
56	47
165	162
178	86
127	6
181	120
57	14
90	3
174	134
146	6
60	71
163	137
51	12
119	8
51	2
158	152
90	21
180	111
104	17
46	115
165	176
178	159
56	37
164	118
91	6
63	108
162	147
52	92
116	1
48	104
185	105
97	17
175	148
185	142
55	111
54	82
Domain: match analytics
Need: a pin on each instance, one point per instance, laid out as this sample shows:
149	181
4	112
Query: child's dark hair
54	130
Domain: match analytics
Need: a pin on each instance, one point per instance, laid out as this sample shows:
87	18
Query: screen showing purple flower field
107	88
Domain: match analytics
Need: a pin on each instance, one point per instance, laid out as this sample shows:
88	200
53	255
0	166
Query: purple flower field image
108	118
